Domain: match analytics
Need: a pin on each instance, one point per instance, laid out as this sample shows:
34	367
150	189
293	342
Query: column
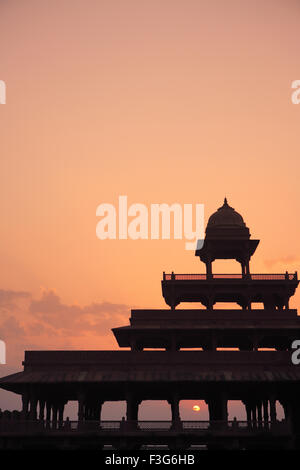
48	412
248	407
98	409
273	409
217	407
25	405
248	412
33	406
132	409
247	266
54	415
208	268
61	408
42	408
174	402
210	301
224	408
173	293
265	412
86	412
259	412
253	413
249	298
81	403
243	268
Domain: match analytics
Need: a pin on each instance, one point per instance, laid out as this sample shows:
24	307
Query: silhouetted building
258	378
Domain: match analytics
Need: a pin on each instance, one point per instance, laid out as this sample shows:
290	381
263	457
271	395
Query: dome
225	216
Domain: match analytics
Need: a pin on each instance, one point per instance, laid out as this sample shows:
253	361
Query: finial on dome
225	201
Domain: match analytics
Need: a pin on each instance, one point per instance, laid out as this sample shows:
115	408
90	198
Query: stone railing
253	277
27	427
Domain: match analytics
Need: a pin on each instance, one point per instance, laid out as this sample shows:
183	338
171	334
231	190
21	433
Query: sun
196	408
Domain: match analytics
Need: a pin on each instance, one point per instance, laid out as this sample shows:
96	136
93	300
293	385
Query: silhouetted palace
259	378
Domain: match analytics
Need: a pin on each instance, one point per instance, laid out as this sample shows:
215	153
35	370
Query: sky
165	102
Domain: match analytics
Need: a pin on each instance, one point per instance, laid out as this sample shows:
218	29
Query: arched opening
194	410
113	410
71	410
226	266
257	305
279	411
236	409
154	410
227	306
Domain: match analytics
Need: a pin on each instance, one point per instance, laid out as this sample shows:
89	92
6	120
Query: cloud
9	299
49	323
73	319
11	327
285	260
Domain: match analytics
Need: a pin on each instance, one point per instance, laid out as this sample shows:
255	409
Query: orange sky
161	101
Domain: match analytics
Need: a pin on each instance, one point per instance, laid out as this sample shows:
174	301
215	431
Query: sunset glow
164	102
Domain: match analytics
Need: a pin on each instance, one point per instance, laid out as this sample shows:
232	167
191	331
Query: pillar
265	412
42	408
98	410
259	412
247	266
48	412
86	412
253	413
217	407
92	410
33	407
174	402
249	411
54	415
61	408
273	409
81	400
243	268
210	301
25	405
208	268
132	409
173	294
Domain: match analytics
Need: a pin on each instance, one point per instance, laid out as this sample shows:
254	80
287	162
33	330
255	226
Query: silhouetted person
123	423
